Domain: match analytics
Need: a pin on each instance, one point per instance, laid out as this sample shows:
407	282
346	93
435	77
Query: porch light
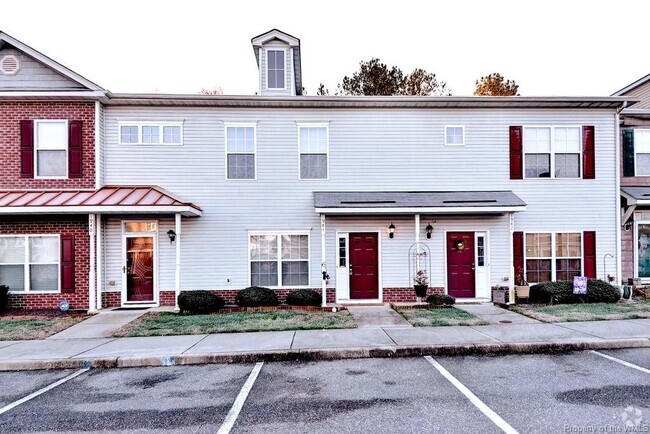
172	236
429	230
391	230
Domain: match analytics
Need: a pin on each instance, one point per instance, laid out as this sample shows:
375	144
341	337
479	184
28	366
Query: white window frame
636	249
636	159
140	124
227	125
279	260
552	150
462	127
554	256
67	146
325	125
26	263
284	67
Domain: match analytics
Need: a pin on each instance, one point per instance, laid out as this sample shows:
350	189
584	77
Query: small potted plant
522	289
421	283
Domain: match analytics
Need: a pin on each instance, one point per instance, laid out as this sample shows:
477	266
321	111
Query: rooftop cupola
278	60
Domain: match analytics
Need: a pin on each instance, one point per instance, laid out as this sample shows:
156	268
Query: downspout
619	266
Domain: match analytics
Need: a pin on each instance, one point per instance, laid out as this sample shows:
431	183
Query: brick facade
405	295
11	113
51	224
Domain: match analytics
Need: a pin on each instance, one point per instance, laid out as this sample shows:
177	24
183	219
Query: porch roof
110	199
417	202
636	195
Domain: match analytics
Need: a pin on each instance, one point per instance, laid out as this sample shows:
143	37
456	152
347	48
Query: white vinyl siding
30	263
279	259
314	151
51	148
552	152
150	133
240	151
642	152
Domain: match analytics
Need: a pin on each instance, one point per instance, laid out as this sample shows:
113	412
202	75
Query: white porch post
511	279
100	266
323	260
177	287
91	274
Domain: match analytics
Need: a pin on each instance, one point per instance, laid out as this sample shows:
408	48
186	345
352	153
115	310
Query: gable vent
9	65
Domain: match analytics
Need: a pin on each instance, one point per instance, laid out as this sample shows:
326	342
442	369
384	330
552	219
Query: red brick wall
77	225
10	116
396	295
627	253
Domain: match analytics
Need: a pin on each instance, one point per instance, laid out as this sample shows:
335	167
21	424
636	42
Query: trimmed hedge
561	292
304	297
440	299
4	297
255	296
199	302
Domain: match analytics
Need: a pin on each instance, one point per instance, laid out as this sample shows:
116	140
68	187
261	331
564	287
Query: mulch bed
419	306
232	309
39	313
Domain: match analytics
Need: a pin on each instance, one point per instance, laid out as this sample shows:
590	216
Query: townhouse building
351	196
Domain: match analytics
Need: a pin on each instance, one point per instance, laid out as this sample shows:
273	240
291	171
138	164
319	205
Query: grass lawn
167	323
587	311
26	326
448	316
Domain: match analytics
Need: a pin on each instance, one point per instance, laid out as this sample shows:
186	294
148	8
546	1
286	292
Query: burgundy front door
460	264
364	265
139	268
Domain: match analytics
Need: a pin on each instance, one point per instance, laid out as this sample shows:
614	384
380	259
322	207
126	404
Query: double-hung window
552	152
314	151
279	259
151	133
30	263
642	152
553	256
51	148
275	65
240	151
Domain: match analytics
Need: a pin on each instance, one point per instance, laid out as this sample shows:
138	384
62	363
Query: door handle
350	269
124	269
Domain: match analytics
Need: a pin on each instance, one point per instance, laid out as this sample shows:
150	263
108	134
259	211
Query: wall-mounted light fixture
429	230
172	236
391	230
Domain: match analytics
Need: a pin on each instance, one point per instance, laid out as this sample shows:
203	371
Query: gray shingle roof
416	199
638	193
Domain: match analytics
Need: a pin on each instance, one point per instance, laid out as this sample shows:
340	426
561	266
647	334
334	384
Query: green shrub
440	299
199	302
304	297
561	292
4	297
256	296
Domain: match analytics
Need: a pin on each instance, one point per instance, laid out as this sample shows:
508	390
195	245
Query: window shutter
516	153
67	263
518	249
74	150
26	149
589	253
628	152
588	152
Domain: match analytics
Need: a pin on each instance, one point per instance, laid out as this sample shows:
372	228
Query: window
552	152
314	148
643	249
343	250
151	133
30	262
51	147
275	69
454	135
279	259
642	152
480	251
240	151
553	256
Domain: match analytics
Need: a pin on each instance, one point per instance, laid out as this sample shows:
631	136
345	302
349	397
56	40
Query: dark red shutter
67	263
588	152
628	152
26	149
589	253
74	150
518	249
516	153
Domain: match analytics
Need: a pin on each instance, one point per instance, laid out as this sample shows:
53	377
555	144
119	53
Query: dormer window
275	69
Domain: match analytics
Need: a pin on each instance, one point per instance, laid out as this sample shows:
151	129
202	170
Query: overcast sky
549	47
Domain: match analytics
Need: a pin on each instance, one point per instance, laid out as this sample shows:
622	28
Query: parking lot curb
323	354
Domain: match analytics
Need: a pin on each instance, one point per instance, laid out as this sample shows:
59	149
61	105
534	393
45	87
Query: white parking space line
622	362
232	415
498	421
14	404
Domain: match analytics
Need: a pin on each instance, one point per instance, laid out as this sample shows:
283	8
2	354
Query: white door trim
488	255
125	235
379	259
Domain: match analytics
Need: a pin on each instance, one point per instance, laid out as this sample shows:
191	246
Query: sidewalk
323	344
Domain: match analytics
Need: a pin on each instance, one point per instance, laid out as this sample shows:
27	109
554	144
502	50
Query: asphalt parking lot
572	392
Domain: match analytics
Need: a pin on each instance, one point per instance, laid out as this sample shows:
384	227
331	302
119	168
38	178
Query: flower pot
522	291
421	290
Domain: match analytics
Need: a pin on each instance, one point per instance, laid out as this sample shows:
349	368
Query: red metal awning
110	199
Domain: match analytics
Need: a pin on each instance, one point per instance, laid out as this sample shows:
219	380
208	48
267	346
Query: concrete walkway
101	325
377	317
496	315
386	341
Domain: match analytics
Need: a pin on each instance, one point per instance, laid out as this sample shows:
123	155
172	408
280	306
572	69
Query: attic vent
9	65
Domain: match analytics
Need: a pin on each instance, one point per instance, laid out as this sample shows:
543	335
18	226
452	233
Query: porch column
91	274
177	287
417	240
323	260
511	279
100	265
